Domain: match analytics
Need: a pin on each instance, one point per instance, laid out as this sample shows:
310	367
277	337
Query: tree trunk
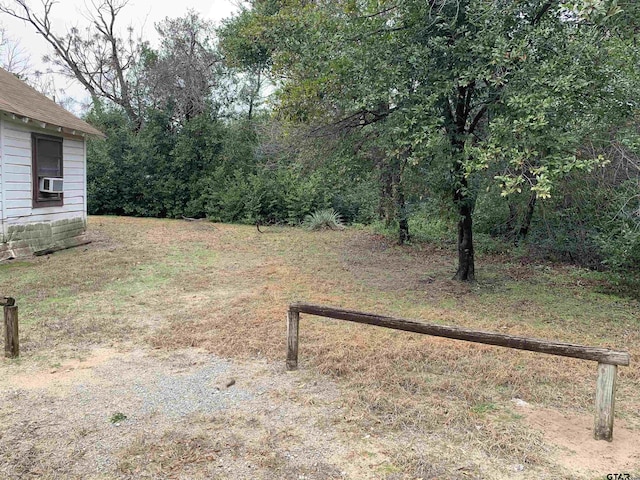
456	124
512	221
398	166
250	113
526	221
253	96
466	264
465	203
518	228
401	211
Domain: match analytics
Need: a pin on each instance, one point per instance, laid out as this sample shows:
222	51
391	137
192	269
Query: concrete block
25	239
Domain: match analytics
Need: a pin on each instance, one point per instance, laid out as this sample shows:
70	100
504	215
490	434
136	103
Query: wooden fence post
11	342
605	399
293	322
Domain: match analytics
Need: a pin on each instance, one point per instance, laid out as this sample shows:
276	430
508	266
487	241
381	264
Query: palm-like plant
323	219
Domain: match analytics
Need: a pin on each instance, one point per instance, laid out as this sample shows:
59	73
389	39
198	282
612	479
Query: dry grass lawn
154	300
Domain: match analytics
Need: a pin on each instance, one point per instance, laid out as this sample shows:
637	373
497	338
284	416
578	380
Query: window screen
47	162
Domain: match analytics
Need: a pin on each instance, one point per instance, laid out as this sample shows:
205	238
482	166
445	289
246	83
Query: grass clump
118	417
327	219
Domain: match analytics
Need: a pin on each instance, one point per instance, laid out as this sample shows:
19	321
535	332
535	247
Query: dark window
46	163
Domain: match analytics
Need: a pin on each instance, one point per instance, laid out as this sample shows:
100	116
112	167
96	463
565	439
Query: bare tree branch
14	57
99	60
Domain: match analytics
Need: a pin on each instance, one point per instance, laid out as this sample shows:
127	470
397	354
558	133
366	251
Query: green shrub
619	236
621	249
428	222
490	245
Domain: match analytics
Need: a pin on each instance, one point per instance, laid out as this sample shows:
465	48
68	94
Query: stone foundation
33	238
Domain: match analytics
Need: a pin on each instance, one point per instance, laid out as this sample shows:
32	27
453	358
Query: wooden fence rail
608	360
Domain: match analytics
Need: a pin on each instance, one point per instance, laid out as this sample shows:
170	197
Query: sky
141	14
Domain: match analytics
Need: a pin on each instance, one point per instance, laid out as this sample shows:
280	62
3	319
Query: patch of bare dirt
59	375
578	451
520	272
99	240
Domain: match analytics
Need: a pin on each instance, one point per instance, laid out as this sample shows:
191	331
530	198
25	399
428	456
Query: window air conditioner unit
51	185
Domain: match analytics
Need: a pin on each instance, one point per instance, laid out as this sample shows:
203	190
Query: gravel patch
185	414
177	396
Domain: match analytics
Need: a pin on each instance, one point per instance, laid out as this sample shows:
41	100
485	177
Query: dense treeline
220	170
208	168
503	126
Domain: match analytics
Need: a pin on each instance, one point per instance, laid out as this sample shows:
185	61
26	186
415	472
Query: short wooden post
293	322
11	342
605	399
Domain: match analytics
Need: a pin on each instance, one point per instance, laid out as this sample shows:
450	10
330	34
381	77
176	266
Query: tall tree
248	56
186	69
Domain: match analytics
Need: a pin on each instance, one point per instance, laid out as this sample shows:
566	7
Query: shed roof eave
88	131
19	98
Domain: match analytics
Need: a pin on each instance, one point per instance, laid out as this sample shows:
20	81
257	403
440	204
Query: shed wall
2	240
16	208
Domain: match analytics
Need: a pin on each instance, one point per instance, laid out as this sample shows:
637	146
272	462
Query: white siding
2	189
15	177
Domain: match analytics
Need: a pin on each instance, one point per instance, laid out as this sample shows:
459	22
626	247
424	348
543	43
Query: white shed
43	188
